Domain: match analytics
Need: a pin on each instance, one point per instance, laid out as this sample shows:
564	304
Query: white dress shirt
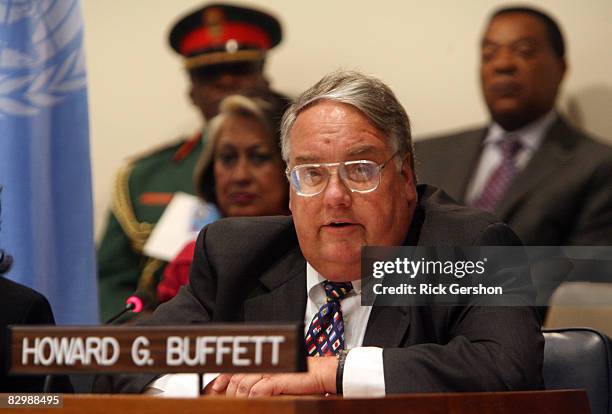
530	136
363	368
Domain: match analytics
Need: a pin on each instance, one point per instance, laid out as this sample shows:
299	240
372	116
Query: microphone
6	262
134	303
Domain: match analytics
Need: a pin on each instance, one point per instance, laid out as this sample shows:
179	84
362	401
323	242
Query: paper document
180	223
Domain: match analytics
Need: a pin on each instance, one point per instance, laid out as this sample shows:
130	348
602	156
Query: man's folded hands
319	380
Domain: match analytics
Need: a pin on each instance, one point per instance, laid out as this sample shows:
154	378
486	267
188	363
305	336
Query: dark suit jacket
20	305
562	197
251	269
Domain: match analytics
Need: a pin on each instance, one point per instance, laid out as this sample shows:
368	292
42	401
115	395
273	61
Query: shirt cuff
364	374
178	385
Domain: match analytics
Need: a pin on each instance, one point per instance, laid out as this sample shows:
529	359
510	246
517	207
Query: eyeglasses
362	176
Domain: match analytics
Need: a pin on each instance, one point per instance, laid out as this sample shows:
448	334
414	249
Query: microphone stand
128	307
133	304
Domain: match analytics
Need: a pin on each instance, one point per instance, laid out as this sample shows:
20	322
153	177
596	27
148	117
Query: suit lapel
387	326
284	299
555	150
465	160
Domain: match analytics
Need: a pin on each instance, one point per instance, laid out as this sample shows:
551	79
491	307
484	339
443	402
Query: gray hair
366	93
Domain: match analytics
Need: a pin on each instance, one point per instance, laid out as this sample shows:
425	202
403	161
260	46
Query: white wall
426	51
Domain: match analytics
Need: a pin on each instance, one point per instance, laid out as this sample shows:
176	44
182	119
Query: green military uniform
220	44
143	188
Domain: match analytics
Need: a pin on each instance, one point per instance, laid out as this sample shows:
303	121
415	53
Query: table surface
557	402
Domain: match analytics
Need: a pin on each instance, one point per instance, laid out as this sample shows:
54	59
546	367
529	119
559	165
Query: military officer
224	49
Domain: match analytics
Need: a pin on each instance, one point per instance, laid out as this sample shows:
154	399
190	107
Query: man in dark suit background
550	182
348	148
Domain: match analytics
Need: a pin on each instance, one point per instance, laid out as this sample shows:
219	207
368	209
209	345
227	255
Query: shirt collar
314	280
531	135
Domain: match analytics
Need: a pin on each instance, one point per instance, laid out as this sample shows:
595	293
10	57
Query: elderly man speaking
347	145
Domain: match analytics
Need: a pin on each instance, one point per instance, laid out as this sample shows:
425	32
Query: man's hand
320	379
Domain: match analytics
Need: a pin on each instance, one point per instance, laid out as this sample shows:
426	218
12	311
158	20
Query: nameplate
158	349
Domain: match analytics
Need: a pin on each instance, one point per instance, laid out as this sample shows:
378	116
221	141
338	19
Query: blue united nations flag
45	171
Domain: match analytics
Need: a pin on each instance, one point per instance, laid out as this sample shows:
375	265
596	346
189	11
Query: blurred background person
241	171
20	305
224	49
549	181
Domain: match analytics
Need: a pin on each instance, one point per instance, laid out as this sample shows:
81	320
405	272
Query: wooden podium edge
554	401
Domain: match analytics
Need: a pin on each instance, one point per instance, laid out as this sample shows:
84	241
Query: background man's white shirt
531	137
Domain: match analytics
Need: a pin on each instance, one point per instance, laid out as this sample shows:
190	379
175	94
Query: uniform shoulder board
157	149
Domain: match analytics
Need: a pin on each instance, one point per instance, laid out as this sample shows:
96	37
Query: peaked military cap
222	33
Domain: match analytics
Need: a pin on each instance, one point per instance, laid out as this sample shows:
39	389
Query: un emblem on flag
41	59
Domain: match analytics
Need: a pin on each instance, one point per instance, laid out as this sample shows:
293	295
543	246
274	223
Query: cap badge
213	19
